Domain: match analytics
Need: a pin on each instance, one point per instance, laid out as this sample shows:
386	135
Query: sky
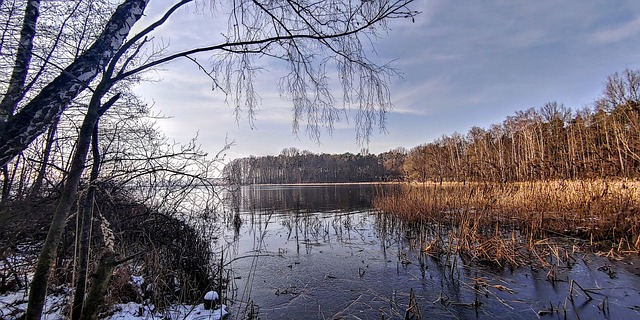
462	64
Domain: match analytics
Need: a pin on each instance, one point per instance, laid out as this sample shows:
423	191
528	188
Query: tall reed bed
499	221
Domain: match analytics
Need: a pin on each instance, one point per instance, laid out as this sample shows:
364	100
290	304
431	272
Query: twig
579	286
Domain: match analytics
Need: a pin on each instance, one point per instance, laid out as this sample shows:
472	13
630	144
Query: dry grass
497	221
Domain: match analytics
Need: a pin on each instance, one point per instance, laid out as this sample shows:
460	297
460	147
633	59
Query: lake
321	252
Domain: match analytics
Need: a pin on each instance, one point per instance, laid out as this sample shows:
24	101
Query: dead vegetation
509	223
161	259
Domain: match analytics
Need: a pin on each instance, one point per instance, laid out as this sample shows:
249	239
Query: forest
293	166
545	143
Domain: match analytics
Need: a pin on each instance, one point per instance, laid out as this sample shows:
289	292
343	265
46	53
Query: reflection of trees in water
296	208
307	198
310	215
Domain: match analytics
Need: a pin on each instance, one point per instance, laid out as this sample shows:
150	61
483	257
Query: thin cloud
463	64
615	34
407	95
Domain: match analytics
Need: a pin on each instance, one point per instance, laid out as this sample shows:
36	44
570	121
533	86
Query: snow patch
137	281
135	311
13	305
211	296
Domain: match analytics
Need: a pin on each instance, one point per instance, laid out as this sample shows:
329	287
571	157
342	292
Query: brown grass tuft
493	222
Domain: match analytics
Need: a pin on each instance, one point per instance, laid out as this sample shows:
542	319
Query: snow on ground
13	305
135	311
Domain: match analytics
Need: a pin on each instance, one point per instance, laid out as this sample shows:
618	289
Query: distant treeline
294	166
551	142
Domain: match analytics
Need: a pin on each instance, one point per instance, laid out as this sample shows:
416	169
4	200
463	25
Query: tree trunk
33	119
16	83
95	298
15	90
6	186
87	219
85	231
40	279
42	172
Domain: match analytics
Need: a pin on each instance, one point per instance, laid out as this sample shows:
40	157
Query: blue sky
463	64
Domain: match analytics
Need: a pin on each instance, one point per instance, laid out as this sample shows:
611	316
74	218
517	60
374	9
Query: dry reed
495	222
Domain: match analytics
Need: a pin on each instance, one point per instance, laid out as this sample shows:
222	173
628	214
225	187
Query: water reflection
304	252
308	198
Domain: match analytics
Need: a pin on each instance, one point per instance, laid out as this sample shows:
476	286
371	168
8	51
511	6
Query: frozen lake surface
320	252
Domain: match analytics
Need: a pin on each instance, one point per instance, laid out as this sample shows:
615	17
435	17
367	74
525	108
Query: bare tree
15	87
310	37
621	89
551	142
18	131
